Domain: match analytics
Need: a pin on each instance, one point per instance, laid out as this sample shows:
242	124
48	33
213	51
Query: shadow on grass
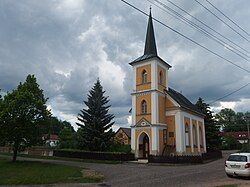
30	172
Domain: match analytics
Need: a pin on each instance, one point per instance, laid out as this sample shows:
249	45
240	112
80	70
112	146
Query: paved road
128	174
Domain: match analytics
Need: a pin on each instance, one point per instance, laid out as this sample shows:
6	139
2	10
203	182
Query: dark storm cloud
68	44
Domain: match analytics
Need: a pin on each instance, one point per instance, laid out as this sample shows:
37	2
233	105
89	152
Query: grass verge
28	172
64	158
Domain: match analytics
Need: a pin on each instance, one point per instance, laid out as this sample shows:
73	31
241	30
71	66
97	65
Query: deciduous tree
22	112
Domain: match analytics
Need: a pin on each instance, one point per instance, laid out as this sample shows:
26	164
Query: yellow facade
170	120
161	77
139	115
162	109
169	103
143	86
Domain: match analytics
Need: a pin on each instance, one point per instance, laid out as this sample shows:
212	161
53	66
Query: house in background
51	140
123	136
241	136
163	120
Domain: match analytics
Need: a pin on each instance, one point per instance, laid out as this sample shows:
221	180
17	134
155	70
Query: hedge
94	155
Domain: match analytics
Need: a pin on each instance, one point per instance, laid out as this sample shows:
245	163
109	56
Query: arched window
201	136
143	107
160	78
194	135
144	77
187	134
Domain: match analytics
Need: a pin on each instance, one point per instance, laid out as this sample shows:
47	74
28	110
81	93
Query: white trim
172	112
154	107
154	81
191	135
178	132
161	64
198	137
137	143
133	139
204	137
155	140
194	117
133	110
183	133
166	79
146	62
134	79
159	124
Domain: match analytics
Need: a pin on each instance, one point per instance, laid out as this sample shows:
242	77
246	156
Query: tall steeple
150	45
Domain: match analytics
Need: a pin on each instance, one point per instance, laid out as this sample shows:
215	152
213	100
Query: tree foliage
22	112
67	138
213	140
54	126
95	122
230	121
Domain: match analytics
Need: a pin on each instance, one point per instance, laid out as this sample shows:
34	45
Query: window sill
143	83
143	114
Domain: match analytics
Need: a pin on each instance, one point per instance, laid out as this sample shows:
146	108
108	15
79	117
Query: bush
120	148
94	155
245	148
229	143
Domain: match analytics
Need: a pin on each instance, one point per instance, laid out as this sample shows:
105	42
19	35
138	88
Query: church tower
150	76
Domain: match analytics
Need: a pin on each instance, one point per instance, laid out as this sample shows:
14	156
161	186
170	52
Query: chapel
164	122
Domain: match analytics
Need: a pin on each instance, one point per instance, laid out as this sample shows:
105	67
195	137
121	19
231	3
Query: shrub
94	155
120	148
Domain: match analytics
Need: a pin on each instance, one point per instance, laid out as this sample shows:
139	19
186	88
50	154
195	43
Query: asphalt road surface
130	174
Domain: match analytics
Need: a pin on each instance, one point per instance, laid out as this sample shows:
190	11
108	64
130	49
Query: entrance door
145	146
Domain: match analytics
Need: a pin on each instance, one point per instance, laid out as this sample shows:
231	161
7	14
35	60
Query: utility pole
247	118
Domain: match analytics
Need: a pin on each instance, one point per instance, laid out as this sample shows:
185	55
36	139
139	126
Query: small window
165	136
144	77
143	107
187	134
171	134
160	78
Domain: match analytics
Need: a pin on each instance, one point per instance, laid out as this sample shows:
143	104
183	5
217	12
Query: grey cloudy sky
67	44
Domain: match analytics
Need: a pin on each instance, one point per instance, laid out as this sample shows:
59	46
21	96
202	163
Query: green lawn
26	172
64	158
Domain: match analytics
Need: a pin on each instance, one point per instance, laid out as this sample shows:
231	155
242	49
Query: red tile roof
241	135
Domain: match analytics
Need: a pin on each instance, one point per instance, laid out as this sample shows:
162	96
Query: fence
36	150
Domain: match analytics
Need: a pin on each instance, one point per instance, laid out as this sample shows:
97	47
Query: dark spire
150	46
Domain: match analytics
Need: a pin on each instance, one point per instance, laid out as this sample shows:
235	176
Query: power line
184	36
231	93
207	26
228	18
200	29
221	20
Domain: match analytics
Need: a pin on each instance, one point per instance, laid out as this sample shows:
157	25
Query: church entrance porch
144	150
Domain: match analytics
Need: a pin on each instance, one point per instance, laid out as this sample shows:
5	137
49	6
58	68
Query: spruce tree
213	140
95	122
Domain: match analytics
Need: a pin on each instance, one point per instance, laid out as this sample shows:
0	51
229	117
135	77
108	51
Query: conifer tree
213	140
95	122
